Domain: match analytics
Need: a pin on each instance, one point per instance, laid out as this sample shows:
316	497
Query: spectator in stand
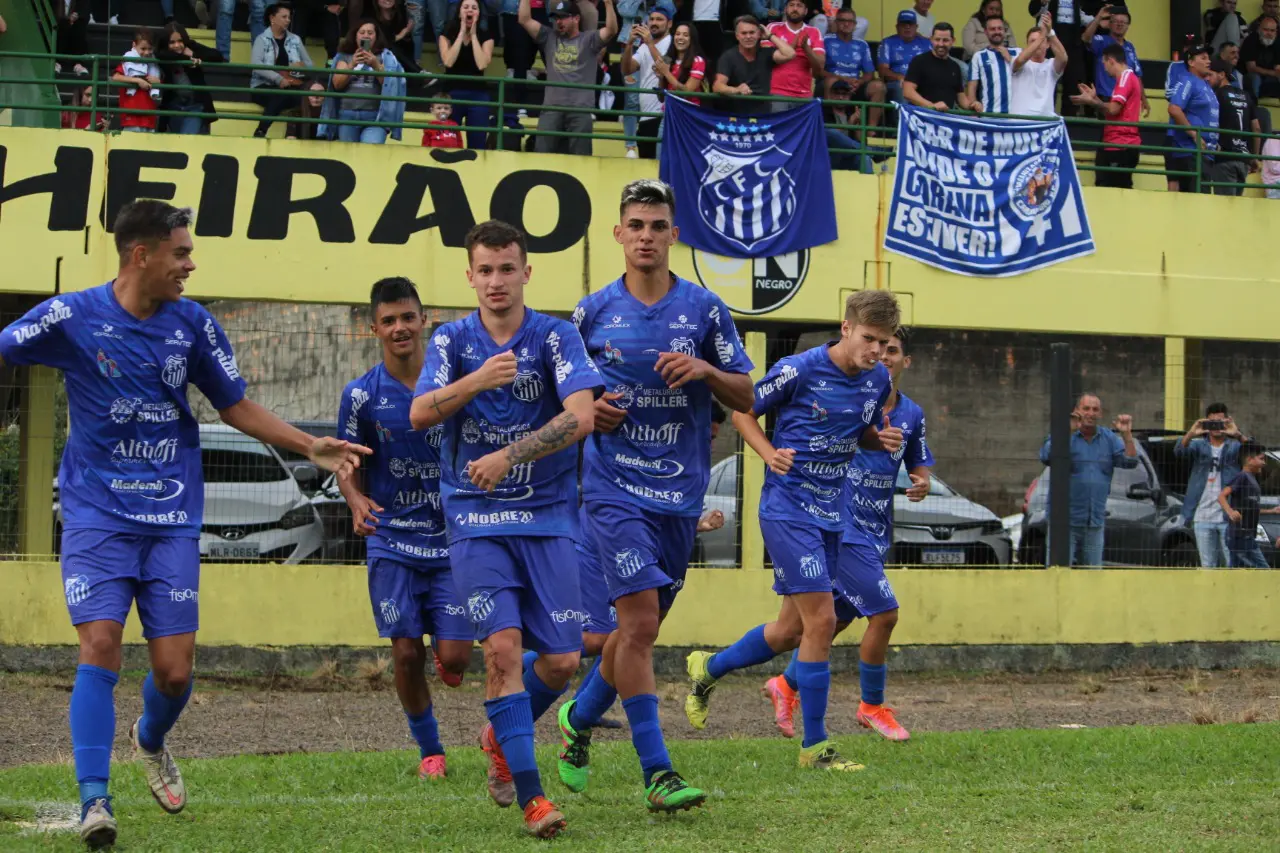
73	31
844	150
82	96
1192	104
793	78
1271	167
654	40
989	87
832	9
1113	21
1069	20
682	71
1213	446
570	55
1241	500
629	15
276	91
1121	108
1223	23
258	14
364	50
467	49
443	132
973	37
749	69
1229	53
1237	155
924	20
519	52
706	21
1270	9
896	53
849	61
933	80
1034	75
183	68
392	19
310	106
1095	454
138	100
1261	58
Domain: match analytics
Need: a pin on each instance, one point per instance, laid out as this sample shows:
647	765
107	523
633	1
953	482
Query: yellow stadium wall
273	605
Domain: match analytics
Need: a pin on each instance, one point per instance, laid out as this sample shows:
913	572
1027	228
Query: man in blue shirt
395	503
849	59
132	485
897	51
1095	454
1192	104
1111	26
665	347
860	586
829	400
1213	445
515	392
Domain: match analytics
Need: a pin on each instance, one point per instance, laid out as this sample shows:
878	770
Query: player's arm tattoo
437	400
558	433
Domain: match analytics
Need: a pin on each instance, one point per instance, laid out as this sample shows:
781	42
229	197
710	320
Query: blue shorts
602	617
413	602
860	586
524	582
104	573
803	555
641	550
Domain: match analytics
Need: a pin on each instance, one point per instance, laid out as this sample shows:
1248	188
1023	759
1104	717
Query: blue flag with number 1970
749	186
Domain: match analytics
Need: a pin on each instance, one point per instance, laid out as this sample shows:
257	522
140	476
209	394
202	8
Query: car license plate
233	551
942	556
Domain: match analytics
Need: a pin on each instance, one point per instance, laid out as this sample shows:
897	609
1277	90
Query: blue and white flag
749	186
988	197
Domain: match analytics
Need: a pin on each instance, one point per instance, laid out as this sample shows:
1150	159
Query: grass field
1135	788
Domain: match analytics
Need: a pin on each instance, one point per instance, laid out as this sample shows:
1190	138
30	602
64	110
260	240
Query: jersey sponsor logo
661	398
422	525
176	516
107	366
123	409
359	397
579	314
875	528
683	346
476	431
527	386
626	396
724	349
58	311
826	470
671	496
646	435
152	490
470	354
489	519
421	552
786	373
819	413
562	367
661	468
870	479
225	359
811	566
77	589
407	498
563	616
181	595
819	512
454	610
400	468
384	404
752	285
824	494
179	339
682	324
390	611
384	434
616	322
821	443
441	342
211	332
137	450
107	331
628	562
470	431
515	493
480	606
881	505
174	372
611	354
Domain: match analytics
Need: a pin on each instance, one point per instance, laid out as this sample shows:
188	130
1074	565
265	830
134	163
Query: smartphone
1215	425
366	44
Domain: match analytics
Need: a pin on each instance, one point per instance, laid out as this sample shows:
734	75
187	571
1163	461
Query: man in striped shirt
988	85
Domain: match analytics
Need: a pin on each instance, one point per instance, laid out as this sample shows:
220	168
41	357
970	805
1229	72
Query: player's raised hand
677	368
608	416
489	470
919	488
363	520
710	521
781	461
498	370
890	436
340	457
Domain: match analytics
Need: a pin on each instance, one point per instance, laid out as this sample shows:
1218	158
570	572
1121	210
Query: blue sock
748	651
592	674
541	697
789	674
425	731
513	729
93	728
872	677
594	698
646	735
814	679
159	713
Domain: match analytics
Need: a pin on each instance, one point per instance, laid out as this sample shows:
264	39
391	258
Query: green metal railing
504	108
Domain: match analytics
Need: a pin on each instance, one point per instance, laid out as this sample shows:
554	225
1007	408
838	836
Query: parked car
945	529
254	507
341	544
294	460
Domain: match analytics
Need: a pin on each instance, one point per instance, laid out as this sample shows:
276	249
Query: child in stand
443	132
141	74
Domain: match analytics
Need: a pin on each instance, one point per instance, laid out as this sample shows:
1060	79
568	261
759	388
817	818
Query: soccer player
515	392
396	505
665	347
828	399
860	586
132	486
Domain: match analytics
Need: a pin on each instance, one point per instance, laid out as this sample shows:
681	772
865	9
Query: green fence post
501	120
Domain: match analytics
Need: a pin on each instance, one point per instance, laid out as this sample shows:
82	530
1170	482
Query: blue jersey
991	72
659	457
132	460
897	54
403	474
1200	105
850	58
873	476
537	498
822	412
1104	83
1177	72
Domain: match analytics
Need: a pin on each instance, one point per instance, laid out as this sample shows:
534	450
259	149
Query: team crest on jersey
390	611
480	606
76	588
683	346
819	413
434	436
628	562
886	591
626	396
384	434
611	354
527	386
811	566
107	366
174	373
868	411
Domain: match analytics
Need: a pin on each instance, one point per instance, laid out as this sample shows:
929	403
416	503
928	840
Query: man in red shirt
1124	105
794	78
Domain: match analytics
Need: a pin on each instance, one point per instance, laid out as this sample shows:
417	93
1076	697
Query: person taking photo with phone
1212	445
362	52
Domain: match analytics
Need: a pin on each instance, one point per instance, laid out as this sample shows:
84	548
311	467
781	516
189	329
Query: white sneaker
98	826
162	774
633	154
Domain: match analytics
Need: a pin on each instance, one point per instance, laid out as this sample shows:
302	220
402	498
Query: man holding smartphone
1213	446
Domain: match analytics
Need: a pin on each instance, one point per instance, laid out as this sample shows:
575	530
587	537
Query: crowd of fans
1069	61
